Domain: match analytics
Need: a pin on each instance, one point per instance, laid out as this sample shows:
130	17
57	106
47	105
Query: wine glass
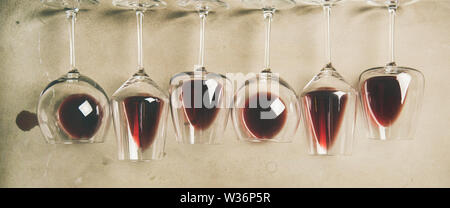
328	103
199	99
73	108
266	108
140	106
391	95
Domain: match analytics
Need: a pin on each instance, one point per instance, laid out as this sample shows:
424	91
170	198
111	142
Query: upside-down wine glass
265	107
328	103
391	95
140	106
73	108
200	99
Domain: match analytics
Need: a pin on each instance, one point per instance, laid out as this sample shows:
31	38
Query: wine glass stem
392	12
327	14
72	17
140	19
201	56
268	15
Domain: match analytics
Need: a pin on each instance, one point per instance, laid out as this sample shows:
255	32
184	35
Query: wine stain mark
26	120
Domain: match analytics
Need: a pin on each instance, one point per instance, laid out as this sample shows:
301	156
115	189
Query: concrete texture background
34	51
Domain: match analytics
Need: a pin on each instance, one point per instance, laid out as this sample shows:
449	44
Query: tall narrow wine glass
391	95
140	107
266	108
73	108
329	103
199	99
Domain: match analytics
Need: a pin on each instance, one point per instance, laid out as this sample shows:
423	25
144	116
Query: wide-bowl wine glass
266	107
329	103
391	95
140	106
200	100
73	108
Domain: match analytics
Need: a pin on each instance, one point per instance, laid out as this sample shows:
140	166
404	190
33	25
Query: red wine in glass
200	100
324	111
80	116
382	97
143	113
264	115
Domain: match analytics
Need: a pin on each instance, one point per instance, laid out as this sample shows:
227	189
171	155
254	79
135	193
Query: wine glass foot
202	4
387	2
70	4
275	4
320	2
140	4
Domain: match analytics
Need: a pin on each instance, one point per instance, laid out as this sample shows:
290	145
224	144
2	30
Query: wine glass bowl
200	103
391	98
140	110
266	109
73	109
329	112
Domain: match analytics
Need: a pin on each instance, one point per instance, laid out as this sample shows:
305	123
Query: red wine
143	115
200	100
324	110
382	97
26	120
80	116
264	115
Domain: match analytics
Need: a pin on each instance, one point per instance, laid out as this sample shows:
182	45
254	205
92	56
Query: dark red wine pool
143	115
324	110
80	116
200	100
264	115
382	97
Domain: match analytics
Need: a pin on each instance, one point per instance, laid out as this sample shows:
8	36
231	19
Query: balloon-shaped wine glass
140	106
265	107
328	103
73	108
391	95
200	100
